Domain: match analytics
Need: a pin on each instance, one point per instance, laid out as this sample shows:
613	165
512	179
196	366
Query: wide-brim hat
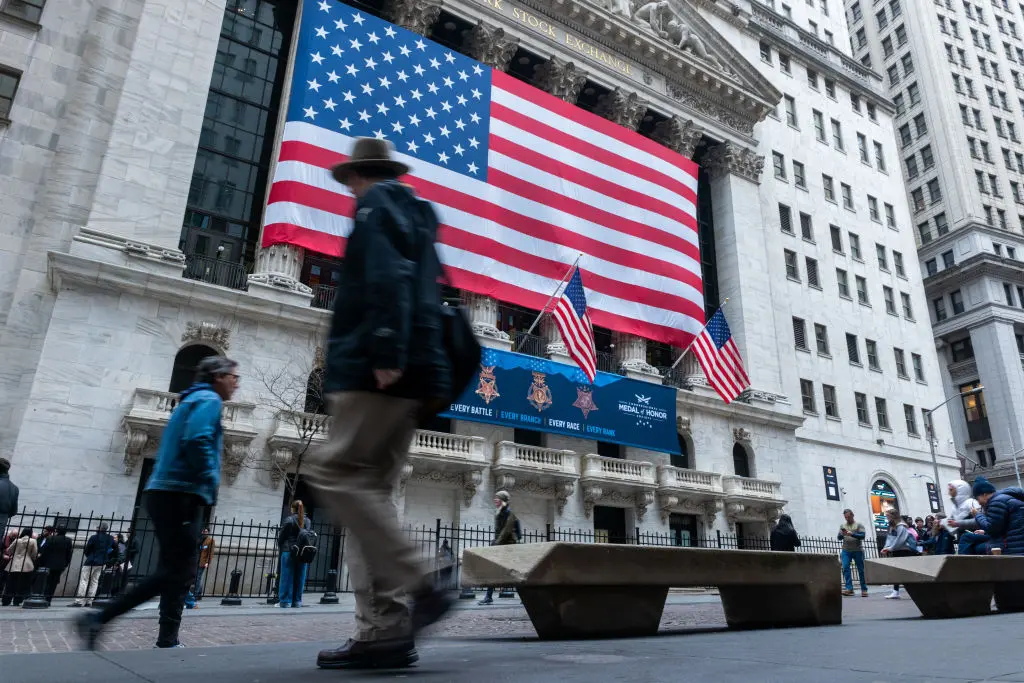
369	153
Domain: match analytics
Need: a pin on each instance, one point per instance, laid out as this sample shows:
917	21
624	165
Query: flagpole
550	299
683	354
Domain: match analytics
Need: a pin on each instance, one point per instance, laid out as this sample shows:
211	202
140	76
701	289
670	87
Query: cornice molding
977	266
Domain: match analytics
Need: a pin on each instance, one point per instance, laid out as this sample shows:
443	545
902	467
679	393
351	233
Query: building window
837	238
830	85
9	80
837	135
910	416
852	349
780	165
1008	293
883	262
766	52
806	228
908	311
785	219
807	395
901	363
847	196
873	209
861	401
941	225
947	259
29	10
843	283
819	126
792	269
784	64
821	339
791	111
800	334
915	359
880	157
830	190
812	77
831	406
917	200
854	240
975	413
934	191
897	263
890	300
939	305
957	300
741	461
862	291
862	146
882	413
812	272
872	352
799	176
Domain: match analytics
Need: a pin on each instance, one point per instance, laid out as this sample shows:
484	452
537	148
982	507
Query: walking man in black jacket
385	361
8	495
506	531
55	556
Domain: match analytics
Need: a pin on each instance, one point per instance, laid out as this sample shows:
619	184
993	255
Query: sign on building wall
515	390
933	497
831	483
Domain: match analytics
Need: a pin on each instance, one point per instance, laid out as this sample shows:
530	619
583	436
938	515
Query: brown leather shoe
370	654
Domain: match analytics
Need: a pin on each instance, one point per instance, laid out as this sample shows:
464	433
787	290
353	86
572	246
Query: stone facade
95	307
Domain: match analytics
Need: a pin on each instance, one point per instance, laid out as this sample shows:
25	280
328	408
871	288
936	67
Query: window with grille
799	334
806	227
812	272
852	349
785	218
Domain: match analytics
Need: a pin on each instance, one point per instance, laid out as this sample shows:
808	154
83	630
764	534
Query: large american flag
720	359
523	182
570	314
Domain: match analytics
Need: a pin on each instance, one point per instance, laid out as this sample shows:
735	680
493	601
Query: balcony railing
216	271
323	296
530	344
626	471
689	480
745	487
448	445
513	455
607	362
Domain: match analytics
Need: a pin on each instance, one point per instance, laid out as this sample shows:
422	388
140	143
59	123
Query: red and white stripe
723	367
561	182
578	335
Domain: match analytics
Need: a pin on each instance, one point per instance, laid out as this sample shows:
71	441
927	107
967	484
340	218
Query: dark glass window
185	364
740	461
706	237
8	86
29	10
229	181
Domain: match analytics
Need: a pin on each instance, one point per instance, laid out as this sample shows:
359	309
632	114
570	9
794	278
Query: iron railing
215	271
323	296
249	550
530	344
606	362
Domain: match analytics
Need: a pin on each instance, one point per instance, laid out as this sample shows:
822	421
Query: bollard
232	599
105	588
37	599
467	593
272	598
331	596
506	592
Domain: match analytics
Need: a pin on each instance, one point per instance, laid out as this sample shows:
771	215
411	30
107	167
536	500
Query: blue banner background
539	394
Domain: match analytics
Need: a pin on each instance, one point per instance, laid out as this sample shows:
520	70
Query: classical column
491	45
554	346
743	256
1000	372
483	316
417	16
560	78
678	135
631	353
622	107
276	276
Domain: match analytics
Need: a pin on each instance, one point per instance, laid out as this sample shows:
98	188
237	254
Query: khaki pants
87	584
354	475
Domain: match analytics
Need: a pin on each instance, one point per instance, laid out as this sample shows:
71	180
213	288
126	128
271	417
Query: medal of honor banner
516	390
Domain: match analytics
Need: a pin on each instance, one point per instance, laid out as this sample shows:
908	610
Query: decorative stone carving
483	314
631	352
684	425
711	510
417	16
149	251
554	346
594	494
734	510
491	45
207	333
280	266
404	477
680	35
623	7
470	483
762	395
563	492
742	435
625	109
504	482
319	358
654	17
560	78
643	501
281	459
704	105
235	456
678	135
135	443
729	158
591	494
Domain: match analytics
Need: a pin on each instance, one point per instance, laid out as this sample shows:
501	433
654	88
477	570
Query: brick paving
22	631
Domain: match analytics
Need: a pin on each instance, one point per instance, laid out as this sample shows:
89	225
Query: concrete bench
602	590
949	586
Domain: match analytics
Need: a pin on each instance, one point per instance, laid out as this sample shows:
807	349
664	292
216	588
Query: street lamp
931	434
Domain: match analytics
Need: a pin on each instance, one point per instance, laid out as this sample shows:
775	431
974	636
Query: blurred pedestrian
98	551
293	569
185	480
784	537
206	548
852	534
23	552
1001	518
55	555
8	495
507	531
898	543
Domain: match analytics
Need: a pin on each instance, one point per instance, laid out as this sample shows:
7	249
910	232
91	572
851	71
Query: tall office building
955	71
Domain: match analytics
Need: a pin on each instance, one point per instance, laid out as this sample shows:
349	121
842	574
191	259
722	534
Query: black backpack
304	547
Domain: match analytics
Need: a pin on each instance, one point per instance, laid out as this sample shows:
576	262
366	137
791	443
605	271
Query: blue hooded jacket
1003	521
188	460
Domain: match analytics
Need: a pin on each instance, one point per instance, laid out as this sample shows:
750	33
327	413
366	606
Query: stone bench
949	586
602	590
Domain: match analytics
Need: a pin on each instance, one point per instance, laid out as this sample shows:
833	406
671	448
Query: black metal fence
216	271
323	296
247	552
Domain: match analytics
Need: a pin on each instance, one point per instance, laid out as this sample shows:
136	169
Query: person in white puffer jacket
962	507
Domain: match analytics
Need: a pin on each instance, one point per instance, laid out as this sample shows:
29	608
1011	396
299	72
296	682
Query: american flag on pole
522	181
574	324
720	359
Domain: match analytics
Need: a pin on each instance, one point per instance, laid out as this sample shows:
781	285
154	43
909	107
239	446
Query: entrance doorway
610	525
330	542
683	529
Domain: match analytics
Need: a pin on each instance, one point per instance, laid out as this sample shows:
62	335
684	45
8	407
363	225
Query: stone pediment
700	67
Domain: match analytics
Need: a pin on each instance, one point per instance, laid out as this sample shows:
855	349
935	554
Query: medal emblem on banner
488	387
540	393
585	401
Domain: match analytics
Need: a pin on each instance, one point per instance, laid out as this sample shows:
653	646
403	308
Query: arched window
185	364
316	400
883	498
683	458
740	461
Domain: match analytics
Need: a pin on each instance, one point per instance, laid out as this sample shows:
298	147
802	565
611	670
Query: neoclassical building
135	152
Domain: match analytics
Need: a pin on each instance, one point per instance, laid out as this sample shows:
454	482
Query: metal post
330	597
37	600
233	599
272	589
935	462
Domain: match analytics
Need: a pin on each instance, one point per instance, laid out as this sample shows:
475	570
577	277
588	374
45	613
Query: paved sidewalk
864	650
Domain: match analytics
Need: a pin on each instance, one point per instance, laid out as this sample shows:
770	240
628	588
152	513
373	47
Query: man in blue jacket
385	360
184	482
1002	517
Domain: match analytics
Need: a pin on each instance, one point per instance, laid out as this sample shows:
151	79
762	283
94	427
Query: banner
515	390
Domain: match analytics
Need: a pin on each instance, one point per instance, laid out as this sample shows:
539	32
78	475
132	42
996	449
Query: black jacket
506	527
784	539
387	313
56	553
8	500
290	531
